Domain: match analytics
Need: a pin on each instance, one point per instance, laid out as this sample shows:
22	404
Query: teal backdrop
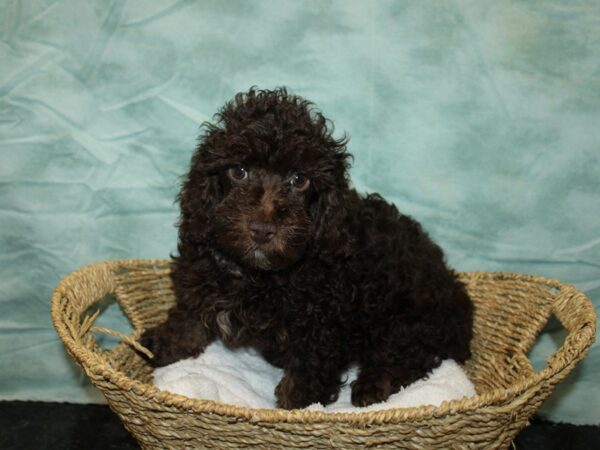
479	118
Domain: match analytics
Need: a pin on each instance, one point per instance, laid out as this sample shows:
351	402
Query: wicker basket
511	310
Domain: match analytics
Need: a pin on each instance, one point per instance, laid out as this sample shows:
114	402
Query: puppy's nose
262	232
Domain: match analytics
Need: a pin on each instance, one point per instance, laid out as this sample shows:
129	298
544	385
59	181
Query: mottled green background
479	118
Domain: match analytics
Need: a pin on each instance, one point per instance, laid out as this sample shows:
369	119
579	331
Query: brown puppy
278	253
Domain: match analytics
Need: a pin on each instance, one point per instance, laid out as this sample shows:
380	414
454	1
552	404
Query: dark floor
32	425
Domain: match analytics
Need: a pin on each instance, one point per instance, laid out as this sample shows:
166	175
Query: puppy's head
267	182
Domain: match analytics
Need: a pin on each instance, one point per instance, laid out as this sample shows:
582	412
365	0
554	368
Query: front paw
368	389
290	394
296	392
158	342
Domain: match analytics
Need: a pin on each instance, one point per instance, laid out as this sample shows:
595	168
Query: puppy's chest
272	314
240	317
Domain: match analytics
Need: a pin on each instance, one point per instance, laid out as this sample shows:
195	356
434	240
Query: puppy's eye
237	173
299	182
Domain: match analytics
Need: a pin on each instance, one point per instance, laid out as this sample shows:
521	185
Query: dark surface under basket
33	425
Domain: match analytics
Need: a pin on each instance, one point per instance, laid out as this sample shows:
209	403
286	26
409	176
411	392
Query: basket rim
577	348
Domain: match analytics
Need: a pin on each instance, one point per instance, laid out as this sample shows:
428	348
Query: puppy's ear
200	192
197	197
330	212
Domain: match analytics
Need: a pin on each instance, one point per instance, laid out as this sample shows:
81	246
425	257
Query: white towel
243	378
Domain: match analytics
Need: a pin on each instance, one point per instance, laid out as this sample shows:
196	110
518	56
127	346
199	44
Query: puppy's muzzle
262	232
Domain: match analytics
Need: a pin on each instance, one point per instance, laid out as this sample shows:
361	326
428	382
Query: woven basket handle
87	327
576	313
80	291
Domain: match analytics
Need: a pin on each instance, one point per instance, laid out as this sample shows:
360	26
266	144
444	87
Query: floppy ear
331	209
200	192
196	199
329	212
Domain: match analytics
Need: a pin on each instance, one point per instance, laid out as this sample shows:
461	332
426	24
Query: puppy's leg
181	336
383	374
304	383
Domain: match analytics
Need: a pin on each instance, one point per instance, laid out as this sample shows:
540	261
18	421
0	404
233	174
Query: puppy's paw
290	393
158	343
297	392
371	388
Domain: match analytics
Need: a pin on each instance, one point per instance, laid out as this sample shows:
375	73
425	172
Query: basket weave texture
510	311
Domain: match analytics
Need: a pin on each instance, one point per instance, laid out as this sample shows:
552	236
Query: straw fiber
510	312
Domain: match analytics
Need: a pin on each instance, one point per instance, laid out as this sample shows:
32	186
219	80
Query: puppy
277	252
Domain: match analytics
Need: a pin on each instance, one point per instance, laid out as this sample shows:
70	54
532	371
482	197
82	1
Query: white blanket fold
243	378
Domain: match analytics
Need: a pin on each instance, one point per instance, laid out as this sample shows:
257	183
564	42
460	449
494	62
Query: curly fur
338	279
